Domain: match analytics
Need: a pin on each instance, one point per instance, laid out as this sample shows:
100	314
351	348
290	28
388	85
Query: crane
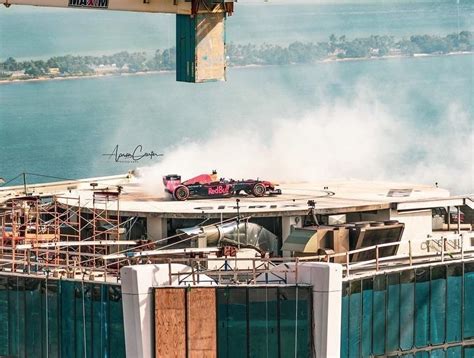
200	30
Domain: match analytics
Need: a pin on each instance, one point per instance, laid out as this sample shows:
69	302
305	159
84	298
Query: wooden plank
170	322
202	335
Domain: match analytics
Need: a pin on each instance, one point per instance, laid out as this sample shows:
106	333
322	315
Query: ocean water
407	119
28	32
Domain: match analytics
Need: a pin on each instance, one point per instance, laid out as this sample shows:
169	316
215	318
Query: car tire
259	190
181	193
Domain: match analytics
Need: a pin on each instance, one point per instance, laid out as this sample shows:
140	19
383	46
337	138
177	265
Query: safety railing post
410	253
296	269
105	270
443	248
169	272
376	257
347	262
254	275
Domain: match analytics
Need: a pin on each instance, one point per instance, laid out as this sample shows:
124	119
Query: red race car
209	186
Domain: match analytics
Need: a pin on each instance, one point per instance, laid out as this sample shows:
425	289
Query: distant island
336	48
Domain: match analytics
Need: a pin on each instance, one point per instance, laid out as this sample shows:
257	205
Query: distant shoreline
154	72
77	77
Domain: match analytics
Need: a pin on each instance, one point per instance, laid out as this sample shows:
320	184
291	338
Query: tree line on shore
243	55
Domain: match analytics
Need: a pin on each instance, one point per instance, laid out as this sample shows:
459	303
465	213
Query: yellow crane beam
158	6
200	29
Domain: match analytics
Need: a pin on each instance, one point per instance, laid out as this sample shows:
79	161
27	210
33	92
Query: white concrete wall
137	298
156	228
418	225
326	279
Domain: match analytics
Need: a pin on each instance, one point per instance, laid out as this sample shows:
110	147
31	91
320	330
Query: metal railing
64	255
277	270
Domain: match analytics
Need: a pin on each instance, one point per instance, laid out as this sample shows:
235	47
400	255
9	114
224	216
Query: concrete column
156	228
137	300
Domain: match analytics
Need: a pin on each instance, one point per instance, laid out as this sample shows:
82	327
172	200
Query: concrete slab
331	197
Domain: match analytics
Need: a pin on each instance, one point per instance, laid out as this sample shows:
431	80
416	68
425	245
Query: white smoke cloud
448	152
360	139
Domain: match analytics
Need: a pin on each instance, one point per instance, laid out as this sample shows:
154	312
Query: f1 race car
208	185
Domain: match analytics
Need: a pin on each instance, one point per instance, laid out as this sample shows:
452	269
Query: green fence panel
99	322
422	307
468	351
438	305
116	334
407	309
379	315
13	316
295	318
33	312
67	318
4	322
60	318
454	303
80	325
304	321
345	320
438	353
468	313
367	314
393	312
51	318
422	355
454	352
89	317
16	316
355	315
263	322
232	322
222	317
287	306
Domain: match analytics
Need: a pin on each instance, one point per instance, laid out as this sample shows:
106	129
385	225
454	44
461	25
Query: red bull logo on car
219	190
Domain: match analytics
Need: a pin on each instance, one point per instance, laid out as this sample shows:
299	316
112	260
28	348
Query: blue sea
31	32
406	119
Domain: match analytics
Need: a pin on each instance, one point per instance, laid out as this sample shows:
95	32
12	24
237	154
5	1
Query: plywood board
210	47
170	322
202	323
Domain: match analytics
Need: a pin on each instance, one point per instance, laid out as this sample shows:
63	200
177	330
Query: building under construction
99	267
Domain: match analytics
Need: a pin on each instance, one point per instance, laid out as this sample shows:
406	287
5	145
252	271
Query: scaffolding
58	234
